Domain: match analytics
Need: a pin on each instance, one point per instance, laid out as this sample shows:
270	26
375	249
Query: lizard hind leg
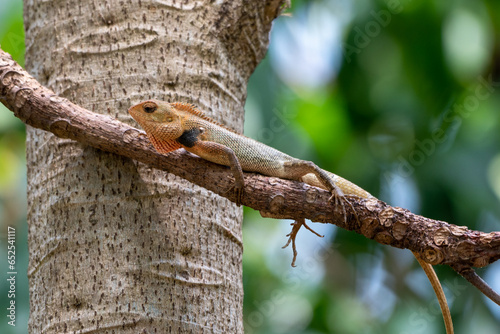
302	170
293	234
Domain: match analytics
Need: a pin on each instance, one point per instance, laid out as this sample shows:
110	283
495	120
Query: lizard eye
169	119
149	107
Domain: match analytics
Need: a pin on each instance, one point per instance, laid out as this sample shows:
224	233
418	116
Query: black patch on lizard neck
189	137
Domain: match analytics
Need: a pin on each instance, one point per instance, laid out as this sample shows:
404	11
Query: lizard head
158	119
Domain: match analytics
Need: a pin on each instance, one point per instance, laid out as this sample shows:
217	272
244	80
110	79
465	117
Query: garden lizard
170	126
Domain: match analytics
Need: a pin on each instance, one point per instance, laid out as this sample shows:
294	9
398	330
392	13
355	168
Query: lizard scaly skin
170	126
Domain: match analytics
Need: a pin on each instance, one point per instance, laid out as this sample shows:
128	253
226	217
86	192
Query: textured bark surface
115	244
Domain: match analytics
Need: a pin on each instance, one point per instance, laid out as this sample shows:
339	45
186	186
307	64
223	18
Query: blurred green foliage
410	113
398	96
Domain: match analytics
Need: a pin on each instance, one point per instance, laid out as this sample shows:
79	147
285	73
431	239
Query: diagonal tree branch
437	242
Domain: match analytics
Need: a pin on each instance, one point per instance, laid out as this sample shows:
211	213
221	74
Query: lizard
171	126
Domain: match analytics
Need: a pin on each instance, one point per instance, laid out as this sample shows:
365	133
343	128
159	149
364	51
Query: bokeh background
401	97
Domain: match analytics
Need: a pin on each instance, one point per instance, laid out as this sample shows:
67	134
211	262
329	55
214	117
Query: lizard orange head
158	119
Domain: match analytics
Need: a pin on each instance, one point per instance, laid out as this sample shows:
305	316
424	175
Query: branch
436	242
473	278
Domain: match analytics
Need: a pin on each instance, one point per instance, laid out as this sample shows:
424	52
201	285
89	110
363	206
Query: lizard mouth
136	114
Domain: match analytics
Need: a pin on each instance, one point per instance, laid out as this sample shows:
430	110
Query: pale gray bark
115	245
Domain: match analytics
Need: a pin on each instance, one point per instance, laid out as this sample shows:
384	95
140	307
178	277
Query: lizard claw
293	234
238	193
339	199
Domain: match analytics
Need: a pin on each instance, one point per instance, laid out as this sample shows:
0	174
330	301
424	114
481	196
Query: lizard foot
293	234
238	193
339	200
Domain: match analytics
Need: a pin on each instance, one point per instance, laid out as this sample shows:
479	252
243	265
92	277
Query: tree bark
115	244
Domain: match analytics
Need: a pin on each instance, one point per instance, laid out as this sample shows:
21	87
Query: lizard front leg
222	155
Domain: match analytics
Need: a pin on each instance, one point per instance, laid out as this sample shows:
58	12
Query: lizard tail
438	290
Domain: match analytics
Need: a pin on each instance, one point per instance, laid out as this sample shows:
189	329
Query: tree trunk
114	244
